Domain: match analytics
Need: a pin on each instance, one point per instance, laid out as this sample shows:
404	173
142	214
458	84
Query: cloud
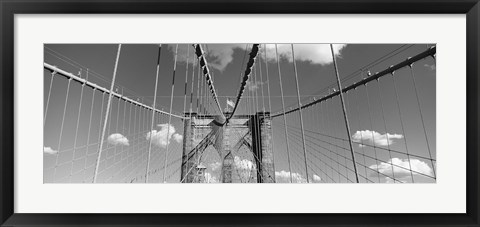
312	53
375	138
238	163
177	137
244	168
117	139
209	178
243	164
160	138
431	67
215	165
284	177
220	55
252	86
401	168
49	150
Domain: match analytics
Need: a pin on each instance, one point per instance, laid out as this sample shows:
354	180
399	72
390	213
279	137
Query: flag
230	103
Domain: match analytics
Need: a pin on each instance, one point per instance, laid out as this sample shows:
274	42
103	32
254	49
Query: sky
375	115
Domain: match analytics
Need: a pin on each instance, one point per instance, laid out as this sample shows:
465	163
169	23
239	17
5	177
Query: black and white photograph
239	113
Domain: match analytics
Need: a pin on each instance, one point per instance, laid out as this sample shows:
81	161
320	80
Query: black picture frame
9	8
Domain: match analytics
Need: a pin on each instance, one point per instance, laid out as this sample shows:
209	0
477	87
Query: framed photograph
258	113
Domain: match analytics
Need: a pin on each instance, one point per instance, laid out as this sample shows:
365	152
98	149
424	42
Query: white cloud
431	67
160	137
252	86
243	164
375	138
284	177
177	137
117	139
220	55
313	53
215	165
209	178
244	168
49	150
401	168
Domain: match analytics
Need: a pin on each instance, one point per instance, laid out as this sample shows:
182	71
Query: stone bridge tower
251	131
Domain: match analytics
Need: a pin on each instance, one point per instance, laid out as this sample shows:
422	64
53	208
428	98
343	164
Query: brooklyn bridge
240	113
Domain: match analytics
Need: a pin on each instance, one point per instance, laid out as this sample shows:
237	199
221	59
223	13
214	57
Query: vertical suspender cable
101	119
386	132
186	81
373	135
116	131
198	93
344	113
361	136
88	134
257	120
198	85
170	114
261	85
191	90
78	122
61	128
135	134
153	112
421	116
284	117
200	104
48	98
300	113
269	102
255	108
129	151
106	114
123	125
403	128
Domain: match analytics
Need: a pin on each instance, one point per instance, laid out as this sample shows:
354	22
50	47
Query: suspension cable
300	112
284	115
186	81
102	89
344	113
385	124
88	133
370	118
48	99
246	75
106	114
61	128
403	129
357	114
78	122
153	112
170	116
429	52
206	73
269	103
421	115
